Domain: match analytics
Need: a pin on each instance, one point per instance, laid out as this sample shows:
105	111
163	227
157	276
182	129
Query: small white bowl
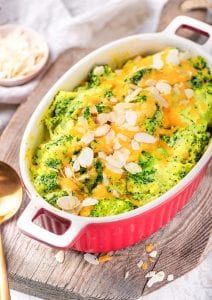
37	39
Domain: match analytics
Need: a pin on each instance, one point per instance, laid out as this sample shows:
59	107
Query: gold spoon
10	201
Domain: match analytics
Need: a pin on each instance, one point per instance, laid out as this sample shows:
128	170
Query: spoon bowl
10	201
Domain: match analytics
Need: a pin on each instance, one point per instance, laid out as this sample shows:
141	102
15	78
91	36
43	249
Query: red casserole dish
64	230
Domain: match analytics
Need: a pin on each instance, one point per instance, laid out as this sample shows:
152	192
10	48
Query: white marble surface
195	285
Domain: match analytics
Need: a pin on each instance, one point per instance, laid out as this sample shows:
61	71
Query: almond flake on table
173	57
68	202
131	117
113	169
102	130
99	70
153	254
163	87
157	61
189	93
135	145
60	256
140	263
158	277
170	277
68	172
143	137
126	275
87	138
89	201
133	168
85	158
91	259
150	274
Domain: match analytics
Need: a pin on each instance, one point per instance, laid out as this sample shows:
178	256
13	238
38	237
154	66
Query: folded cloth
66	24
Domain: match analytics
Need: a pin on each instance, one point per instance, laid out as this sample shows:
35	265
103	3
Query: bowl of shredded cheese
23	54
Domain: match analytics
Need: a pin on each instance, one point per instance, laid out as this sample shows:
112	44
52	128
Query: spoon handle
4	286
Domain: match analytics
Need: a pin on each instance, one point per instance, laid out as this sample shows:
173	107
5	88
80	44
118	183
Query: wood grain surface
181	244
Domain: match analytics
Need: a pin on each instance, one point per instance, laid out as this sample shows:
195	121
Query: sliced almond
135	145
153	254
130	97
151	82
173	57
99	70
102	155
150	274
189	93
113	169
114	162
76	166
68	202
157	61
91	259
116	144
121	155
129	127
87	138
82	121
131	117
126	275
93	109
68	172
60	256
163	87
85	158
102	130
89	201
158	277
170	277
122	137
113	99
110	136
102	118
115	193
143	137
156	95
105	180
132	168
140	263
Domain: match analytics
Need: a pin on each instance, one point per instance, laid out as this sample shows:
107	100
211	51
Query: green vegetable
151	124
110	207
54	163
46	182
141	98
53	197
103	108
198	62
139	75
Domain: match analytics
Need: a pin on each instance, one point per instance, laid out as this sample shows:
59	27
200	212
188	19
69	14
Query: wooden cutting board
181	244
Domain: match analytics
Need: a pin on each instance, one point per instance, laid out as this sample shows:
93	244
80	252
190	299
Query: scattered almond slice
129	127
143	137
103	118
134	93
170	277
173	57
153	254
158	277
151	82
68	202
157	61
82	121
93	110
156	95
102	130
163	87
87	138
60	256
122	155
91	259
115	193
150	274
126	275
113	161
135	145
116	145
140	263
68	172
113	99
102	155
105	180
131	117
86	156
133	168
99	70
89	201
122	137
189	93
114	169
110	136
76	166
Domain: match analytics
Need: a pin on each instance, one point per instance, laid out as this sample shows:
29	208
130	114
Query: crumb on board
150	247
157	277
140	263
60	256
153	254
104	258
145	265
170	277
126	275
152	260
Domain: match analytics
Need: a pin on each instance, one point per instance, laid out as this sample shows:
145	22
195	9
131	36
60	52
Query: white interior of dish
113	54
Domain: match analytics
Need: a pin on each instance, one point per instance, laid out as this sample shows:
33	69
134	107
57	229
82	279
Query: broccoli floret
151	124
94	80
95	177
144	177
199	80
99	171
103	108
46	182
110	207
145	159
141	98
54	163
86	113
108	94
139	75
198	62
52	197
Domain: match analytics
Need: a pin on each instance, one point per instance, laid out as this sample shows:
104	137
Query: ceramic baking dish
64	230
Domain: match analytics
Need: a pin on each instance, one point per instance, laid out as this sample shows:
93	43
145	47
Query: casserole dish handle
194	25
63	241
